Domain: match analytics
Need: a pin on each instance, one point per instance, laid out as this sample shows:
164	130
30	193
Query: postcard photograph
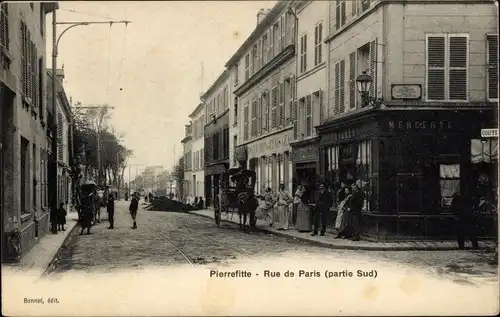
249	158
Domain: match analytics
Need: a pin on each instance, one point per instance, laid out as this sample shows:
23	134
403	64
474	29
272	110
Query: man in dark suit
322	212
111	211
357	206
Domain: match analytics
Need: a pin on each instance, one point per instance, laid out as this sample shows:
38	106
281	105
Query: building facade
62	115
24	126
311	85
188	161
216	138
414	140
198	153
263	70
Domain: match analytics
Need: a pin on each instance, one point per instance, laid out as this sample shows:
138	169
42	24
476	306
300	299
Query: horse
247	204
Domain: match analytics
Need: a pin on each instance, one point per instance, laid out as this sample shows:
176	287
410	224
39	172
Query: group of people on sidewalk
286	212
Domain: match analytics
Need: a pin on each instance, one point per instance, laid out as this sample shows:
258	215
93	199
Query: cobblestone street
164	239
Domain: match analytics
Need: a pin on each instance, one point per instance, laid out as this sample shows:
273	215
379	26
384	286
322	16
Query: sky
150	71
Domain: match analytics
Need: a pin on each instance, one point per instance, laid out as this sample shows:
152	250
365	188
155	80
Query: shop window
484	159
363	172
332	170
484	151
281	169
449	179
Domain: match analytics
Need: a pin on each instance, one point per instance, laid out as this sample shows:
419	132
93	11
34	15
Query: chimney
262	14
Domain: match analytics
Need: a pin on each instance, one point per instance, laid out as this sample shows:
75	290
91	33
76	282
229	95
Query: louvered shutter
251	63
458	68
337	89
295	119
343	13
59	137
308	122
320	105
492	61
254	117
337	14
436	68
274	101
354	7
4	26
352	80
283	27
266	112
245	118
342	86
271	45
373	68
316	45
292	94
320	43
259	114
282	104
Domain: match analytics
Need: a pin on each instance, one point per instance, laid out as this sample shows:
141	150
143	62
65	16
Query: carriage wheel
217	211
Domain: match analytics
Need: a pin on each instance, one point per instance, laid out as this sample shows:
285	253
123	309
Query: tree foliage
178	175
89	124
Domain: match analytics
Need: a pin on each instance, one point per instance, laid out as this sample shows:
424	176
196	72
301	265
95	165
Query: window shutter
4	26
343	12
352	80
251	63
302	54
435	68
274	101
308	122
265	117
316	30
342	86
354	7
283	32
294	118
373	67
245	118
492	62
282	104
254	118
337	15
320	43
59	137
271	45
337	89
320	105
458	68
291	100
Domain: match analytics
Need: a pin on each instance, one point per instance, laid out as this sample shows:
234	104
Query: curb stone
55	260
348	247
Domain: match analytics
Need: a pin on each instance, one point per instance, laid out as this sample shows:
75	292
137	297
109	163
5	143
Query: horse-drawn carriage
89	202
239	198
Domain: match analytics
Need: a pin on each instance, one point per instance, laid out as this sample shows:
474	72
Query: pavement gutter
55	259
344	247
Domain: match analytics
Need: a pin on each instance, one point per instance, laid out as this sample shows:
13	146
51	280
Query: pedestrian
343	222
61	217
200	203
134	205
466	222
322	215
283	209
111	212
297	198
265	210
303	223
356	206
150	197
87	210
145	198
126	196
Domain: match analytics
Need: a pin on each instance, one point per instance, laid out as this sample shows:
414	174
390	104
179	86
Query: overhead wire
87	13
109	61
124	42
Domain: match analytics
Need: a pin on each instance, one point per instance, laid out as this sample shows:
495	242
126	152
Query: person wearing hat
322	214
134	206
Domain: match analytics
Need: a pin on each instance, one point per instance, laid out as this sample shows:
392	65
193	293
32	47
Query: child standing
61	217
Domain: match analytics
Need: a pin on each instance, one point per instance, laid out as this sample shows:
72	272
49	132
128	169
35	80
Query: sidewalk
329	240
39	258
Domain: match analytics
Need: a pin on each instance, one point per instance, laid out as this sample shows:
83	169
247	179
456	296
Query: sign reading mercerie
489	133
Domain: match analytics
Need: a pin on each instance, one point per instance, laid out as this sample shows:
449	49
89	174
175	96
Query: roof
196	110
263	25
218	81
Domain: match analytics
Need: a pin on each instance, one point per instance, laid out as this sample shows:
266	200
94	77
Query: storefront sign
420	125
406	92
306	154
275	144
350	133
489	133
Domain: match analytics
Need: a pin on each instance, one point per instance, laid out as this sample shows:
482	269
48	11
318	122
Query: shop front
409	166
270	159
306	167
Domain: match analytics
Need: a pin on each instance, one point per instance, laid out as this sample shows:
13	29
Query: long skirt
346	228
264	213
282	217
303	218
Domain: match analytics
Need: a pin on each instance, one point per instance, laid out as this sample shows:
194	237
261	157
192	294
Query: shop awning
215	169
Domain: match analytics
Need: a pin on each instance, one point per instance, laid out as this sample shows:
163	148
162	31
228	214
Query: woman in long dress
265	210
297	198
283	210
304	223
343	222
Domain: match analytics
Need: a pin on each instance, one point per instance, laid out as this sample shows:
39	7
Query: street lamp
364	84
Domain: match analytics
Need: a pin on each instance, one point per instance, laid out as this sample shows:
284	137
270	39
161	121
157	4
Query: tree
178	175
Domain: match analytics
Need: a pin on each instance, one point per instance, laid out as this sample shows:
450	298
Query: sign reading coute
276	144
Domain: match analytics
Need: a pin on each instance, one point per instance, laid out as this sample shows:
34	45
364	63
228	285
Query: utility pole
55	44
